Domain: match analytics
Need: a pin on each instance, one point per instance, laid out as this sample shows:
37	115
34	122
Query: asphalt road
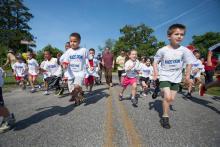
102	120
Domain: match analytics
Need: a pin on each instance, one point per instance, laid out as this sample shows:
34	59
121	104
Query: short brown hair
77	35
175	26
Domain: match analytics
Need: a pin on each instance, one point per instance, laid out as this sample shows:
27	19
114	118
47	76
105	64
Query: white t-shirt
20	69
76	60
146	71
133	72
121	62
172	61
1	77
52	67
33	66
197	65
66	73
92	72
45	73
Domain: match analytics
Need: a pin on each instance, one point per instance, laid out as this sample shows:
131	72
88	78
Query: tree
203	42
14	18
54	51
137	37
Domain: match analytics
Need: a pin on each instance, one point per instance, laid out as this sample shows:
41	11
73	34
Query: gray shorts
75	81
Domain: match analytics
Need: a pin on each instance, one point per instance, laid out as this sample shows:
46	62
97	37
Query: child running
33	68
74	62
197	69
172	58
132	69
20	71
146	71
92	67
53	72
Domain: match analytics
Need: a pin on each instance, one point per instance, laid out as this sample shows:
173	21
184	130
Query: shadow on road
216	98
36	118
204	103
95	96
157	106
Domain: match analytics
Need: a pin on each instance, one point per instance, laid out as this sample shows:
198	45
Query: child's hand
91	68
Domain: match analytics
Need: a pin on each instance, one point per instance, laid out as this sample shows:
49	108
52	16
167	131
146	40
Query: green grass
214	91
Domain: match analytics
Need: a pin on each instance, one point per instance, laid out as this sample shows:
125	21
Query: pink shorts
128	81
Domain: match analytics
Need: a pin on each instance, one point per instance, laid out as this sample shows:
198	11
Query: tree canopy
203	42
139	37
14	18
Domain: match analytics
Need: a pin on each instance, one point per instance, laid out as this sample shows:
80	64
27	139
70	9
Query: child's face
47	55
197	55
29	56
74	42
133	55
92	53
148	62
67	46
177	36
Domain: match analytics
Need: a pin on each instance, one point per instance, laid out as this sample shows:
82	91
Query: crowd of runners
173	68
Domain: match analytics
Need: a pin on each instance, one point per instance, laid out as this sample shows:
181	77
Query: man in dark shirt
108	63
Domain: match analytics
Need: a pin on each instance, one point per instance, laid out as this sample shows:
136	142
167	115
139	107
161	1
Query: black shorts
146	80
1	98
120	72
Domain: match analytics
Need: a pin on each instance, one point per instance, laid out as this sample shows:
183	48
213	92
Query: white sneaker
4	127
46	93
144	94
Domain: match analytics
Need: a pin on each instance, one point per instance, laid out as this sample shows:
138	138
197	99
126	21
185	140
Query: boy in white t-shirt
92	68
8	118
146	72
197	69
132	68
20	71
54	72
74	62
172	58
33	69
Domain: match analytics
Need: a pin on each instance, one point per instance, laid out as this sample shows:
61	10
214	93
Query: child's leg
190	85
213	84
3	110
34	80
30	78
133	90
166	101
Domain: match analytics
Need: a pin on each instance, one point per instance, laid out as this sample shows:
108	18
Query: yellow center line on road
109	129
134	139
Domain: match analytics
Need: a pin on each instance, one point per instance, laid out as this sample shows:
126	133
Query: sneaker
144	94
134	101
111	85
60	92
165	122
46	93
4	127
33	90
72	99
120	97
202	89
11	120
189	95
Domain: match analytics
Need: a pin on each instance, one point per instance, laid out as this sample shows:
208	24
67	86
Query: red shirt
214	64
108	60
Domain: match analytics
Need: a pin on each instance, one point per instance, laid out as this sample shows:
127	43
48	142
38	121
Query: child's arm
188	69
209	58
155	70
